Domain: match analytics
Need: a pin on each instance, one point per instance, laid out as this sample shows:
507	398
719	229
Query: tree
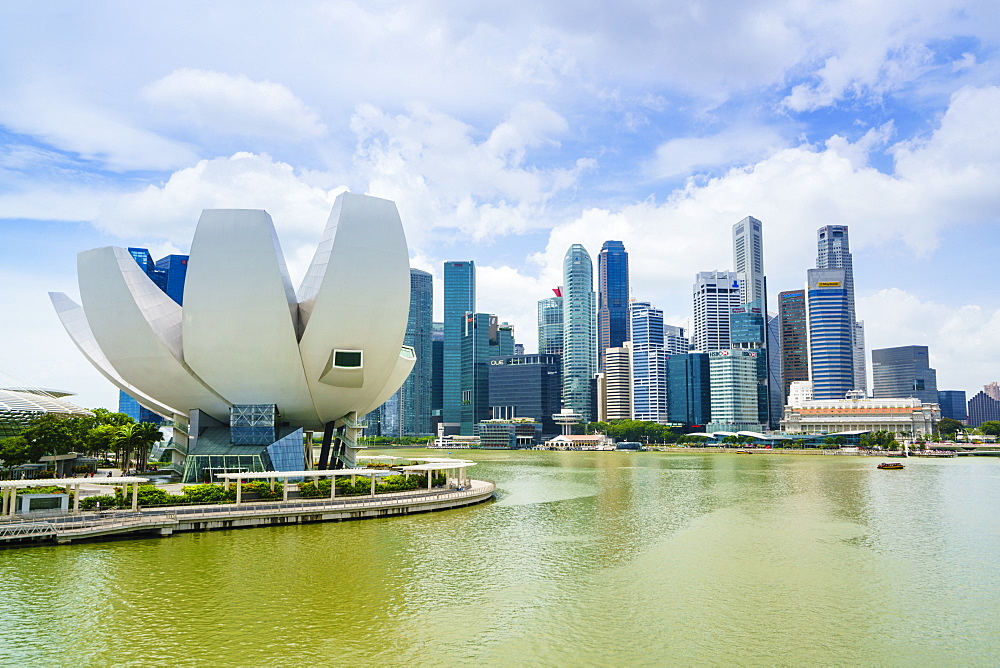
948	427
133	442
54	434
15	451
990	427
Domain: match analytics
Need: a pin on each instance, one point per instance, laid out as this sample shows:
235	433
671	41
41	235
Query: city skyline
550	128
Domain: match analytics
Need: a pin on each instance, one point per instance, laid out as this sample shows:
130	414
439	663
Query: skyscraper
716	293
614	384
794	340
674	341
579	331
550	324
953	405
903	372
168	274
437	374
829	329
689	389
834	252
748	260
526	386
459	299
748	331
408	411
735	376
612	298
982	408
475	370
650	400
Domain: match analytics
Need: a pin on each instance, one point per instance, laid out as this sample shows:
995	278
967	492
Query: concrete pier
164	521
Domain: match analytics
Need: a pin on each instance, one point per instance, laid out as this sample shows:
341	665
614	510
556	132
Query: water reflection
585	558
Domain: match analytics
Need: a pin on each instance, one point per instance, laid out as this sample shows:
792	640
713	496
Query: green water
584	559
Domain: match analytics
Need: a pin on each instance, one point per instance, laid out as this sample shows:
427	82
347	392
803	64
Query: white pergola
431	465
9	489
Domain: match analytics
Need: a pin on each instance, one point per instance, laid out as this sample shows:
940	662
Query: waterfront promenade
164	521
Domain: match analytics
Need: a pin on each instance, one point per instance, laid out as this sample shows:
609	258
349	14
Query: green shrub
90	502
202	494
263	490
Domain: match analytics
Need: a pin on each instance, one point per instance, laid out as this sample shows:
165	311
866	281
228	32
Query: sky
506	134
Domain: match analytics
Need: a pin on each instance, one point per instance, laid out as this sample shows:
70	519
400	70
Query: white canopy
63	482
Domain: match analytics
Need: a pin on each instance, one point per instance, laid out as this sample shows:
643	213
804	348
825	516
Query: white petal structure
242	336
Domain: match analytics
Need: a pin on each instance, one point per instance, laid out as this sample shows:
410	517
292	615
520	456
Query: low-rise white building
905	416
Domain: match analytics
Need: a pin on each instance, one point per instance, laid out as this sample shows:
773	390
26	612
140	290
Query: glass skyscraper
408	411
831	351
689	389
748	260
550	324
794	341
953	404
579	331
903	372
168	274
482	337
612	298
437	373
834	252
459	299
526	386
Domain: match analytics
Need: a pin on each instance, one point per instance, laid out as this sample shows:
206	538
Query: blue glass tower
550	324
168	274
579	331
612	298
459	299
689	389
408	411
830	330
953	404
526	386
475	370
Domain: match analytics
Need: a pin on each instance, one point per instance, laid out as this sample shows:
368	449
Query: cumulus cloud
245	181
431	165
736	145
227	104
961	338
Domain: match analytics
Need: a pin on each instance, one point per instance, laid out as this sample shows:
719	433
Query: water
584	559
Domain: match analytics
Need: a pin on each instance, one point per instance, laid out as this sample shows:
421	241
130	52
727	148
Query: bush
81	468
208	494
263	490
106	500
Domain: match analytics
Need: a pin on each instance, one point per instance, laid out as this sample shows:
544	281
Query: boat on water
744	452
890	465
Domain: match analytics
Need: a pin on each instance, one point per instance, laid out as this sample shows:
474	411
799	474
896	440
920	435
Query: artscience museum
248	368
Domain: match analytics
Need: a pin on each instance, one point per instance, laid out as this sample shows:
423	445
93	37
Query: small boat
744	452
890	465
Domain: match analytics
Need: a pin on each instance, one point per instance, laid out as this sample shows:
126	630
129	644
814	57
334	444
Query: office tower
437	374
734	376
716	293
408	411
834	252
748	331
477	331
689	389
748	260
829	331
775	396
674	341
612	298
903	372
794	340
518	348
168	274
526	386
983	408
953	405
550	324
992	390
459	299
649	363
579	331
504	339
614	384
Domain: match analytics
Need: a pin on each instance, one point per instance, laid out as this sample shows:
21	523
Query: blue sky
504	136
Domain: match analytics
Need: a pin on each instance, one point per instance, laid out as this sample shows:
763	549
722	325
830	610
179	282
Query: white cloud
62	118
245	181
962	339
226	104
440	176
736	145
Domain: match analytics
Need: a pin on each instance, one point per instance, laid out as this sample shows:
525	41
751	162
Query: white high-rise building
716	293
748	260
674	341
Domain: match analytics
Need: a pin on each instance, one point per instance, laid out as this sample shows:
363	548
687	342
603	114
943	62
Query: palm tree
135	441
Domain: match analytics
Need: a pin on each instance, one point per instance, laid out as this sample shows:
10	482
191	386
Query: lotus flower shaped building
243	337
